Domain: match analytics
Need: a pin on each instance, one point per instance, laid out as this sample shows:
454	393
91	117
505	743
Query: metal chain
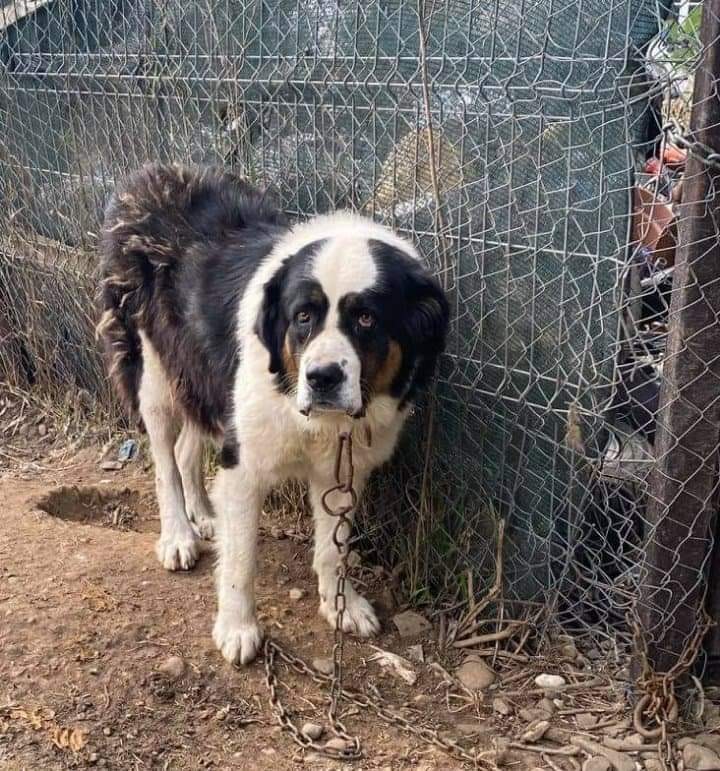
273	650
658	704
702	152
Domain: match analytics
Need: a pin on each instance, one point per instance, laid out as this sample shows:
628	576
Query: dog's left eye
366	320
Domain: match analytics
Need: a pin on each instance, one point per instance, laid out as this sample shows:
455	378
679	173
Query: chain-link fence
535	150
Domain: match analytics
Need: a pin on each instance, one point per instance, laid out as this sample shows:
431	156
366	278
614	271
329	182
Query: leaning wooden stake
683	498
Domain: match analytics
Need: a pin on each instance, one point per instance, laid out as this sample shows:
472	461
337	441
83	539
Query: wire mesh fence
537	153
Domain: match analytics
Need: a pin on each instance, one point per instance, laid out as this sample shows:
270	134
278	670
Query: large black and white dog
220	320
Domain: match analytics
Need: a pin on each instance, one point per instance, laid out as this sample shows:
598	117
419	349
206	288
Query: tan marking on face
382	379
290	360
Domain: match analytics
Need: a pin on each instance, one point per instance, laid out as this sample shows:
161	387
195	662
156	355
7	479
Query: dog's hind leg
188	455
178	545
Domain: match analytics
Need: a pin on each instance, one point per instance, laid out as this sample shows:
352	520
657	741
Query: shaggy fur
220	320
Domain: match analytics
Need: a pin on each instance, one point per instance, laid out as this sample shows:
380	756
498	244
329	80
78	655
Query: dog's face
346	319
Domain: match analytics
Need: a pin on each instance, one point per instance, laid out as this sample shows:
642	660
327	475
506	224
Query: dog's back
167	231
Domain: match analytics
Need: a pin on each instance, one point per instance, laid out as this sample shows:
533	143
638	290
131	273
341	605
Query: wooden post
683	485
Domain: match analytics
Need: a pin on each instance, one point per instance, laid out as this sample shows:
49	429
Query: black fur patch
412	308
178	248
291	289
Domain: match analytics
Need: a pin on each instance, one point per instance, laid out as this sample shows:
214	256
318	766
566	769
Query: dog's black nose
324	379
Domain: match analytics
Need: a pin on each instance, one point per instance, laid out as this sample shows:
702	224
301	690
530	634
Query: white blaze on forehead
344	266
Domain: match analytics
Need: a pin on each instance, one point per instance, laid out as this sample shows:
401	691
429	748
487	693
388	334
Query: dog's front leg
359	616
238	497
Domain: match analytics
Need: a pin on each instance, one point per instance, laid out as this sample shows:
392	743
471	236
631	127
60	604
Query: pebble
42	429
597	763
410	624
532	714
312	731
354	560
550	681
654	765
107	730
111	465
585	720
546	705
500	706
535	731
415	653
475	675
297	594
173	667
341	745
277	532
712	741
323	665
699	758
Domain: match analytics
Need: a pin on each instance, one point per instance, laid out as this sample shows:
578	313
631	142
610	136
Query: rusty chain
274	651
659	704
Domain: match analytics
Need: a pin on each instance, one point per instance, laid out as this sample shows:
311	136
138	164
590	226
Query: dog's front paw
238	643
358	617
178	551
204	525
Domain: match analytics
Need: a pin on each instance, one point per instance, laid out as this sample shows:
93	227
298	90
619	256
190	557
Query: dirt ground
106	659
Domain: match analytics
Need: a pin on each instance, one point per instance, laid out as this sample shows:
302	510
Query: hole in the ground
121	509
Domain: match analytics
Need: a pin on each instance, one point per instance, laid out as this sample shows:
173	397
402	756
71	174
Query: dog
221	320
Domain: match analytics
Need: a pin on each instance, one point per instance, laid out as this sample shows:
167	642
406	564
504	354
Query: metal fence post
683	486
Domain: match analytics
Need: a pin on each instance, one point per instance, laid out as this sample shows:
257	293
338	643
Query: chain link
702	152
274	651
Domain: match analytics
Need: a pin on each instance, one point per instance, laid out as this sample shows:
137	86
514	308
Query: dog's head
347	318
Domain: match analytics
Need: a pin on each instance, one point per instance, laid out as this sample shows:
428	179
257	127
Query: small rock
535	731
712	741
652	764
585	720
634	739
410	624
597	763
42	429
546	705
268	751
529	715
475	675
415	653
173	667
107	730
93	758
354	560
297	594
277	532
324	666
500	706
338	744
616	730
468	729
550	681
312	731
699	758
111	465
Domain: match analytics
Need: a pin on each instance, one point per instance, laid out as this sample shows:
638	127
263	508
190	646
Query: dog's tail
151	221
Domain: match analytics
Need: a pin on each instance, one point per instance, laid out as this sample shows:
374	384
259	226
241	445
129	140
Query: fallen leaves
71	738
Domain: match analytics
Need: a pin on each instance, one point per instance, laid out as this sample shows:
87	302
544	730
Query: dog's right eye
302	317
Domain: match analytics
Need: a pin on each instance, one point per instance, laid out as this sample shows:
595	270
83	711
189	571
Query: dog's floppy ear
426	326
271	324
